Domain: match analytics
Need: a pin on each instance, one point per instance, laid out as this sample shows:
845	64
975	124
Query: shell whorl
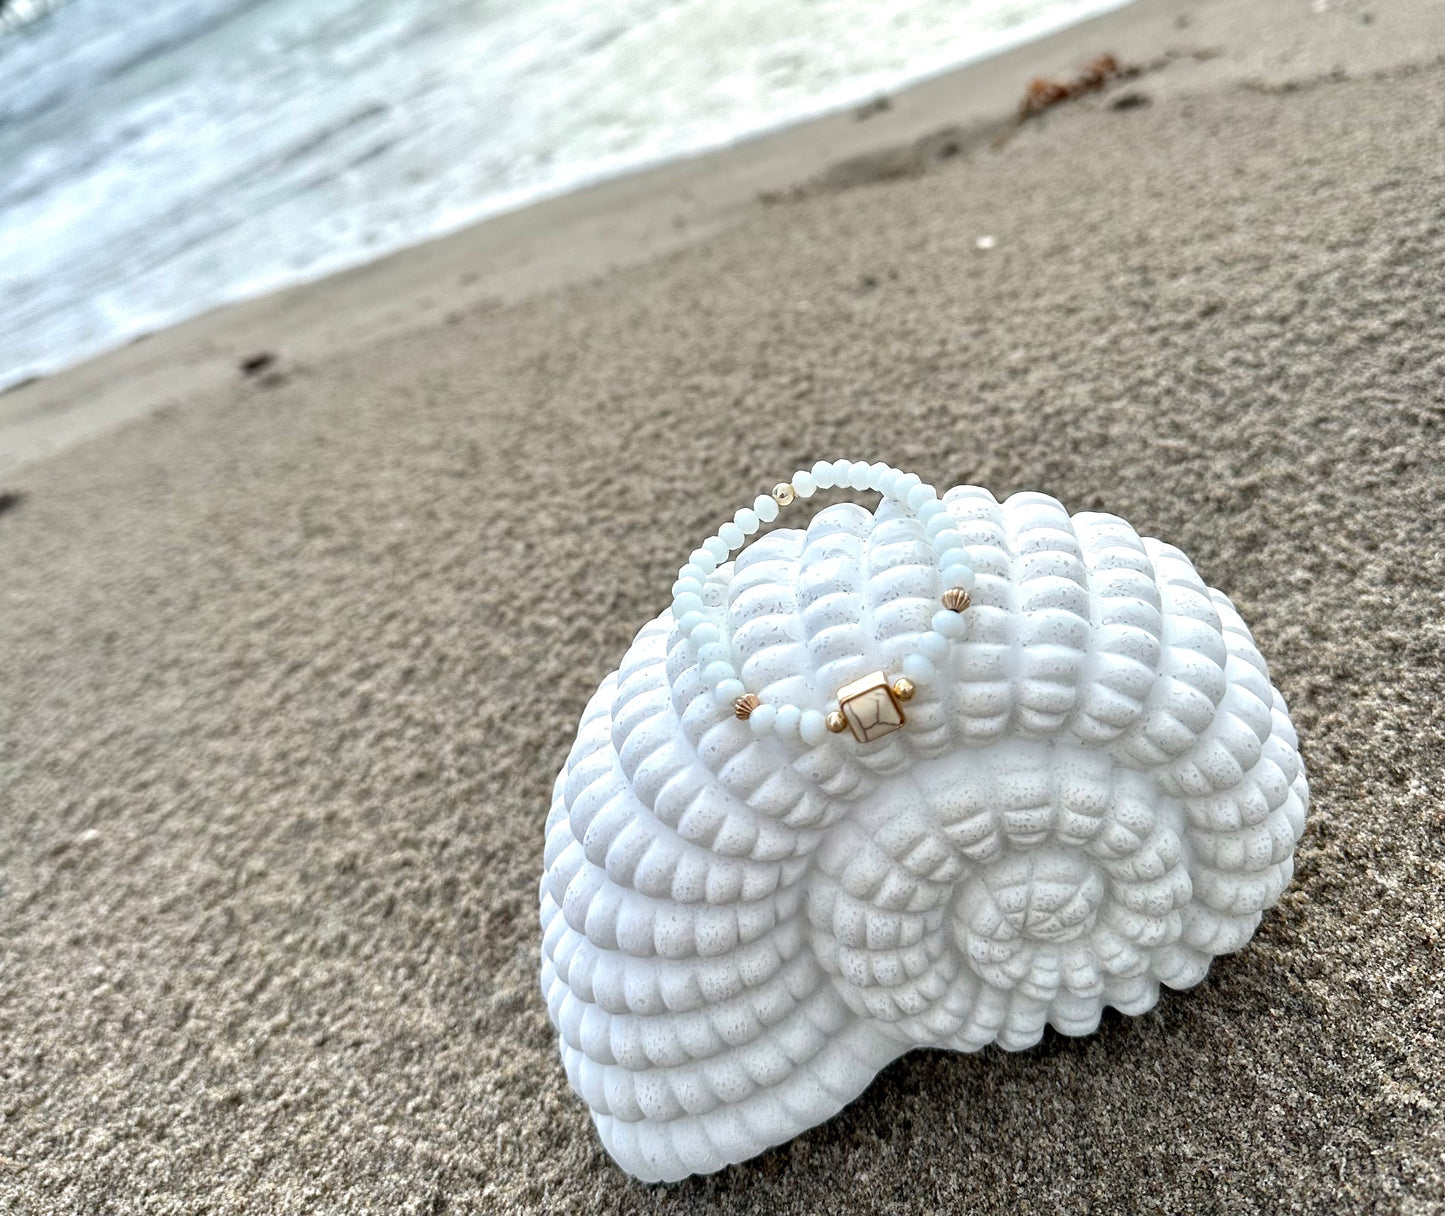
1099	793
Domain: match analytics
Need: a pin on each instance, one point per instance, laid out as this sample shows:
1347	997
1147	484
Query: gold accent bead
784	493
745	705
837	723
956	599
904	688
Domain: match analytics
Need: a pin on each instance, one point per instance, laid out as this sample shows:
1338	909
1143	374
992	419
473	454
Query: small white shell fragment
1096	793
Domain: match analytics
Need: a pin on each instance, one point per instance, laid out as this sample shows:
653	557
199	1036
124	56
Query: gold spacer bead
784	493
904	688
837	723
745	705
956	599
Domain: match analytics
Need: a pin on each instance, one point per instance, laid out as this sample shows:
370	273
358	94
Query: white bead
823	475
887	482
919	495
858	475
689	621
805	484
762	719
766	507
959	573
905	482
715	673
933	646
842	472
952	625
948	540
732	536
684	585
729	691
813	727
954	557
703	560
688	601
717	547
712	652
875	473
918	669
707	633
955	560
788	720
746	519
936	518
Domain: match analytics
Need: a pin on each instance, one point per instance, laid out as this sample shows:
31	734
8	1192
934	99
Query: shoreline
624	221
841	99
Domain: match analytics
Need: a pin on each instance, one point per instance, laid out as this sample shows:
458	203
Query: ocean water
160	158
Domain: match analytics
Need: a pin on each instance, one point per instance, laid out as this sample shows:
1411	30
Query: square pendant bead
870	707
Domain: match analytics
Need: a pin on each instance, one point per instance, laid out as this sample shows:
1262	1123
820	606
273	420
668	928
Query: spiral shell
1099	793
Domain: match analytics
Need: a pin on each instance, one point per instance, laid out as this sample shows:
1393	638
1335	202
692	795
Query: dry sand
286	669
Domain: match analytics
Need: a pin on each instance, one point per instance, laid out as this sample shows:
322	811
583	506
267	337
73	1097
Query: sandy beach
290	658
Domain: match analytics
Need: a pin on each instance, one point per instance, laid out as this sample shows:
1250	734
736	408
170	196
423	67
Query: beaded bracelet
872	706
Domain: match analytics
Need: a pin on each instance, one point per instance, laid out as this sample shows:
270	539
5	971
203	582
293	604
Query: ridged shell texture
1099	793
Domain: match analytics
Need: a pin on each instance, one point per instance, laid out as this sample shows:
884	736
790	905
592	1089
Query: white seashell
1099	793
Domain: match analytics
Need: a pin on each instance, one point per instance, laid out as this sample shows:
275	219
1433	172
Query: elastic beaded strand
946	626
